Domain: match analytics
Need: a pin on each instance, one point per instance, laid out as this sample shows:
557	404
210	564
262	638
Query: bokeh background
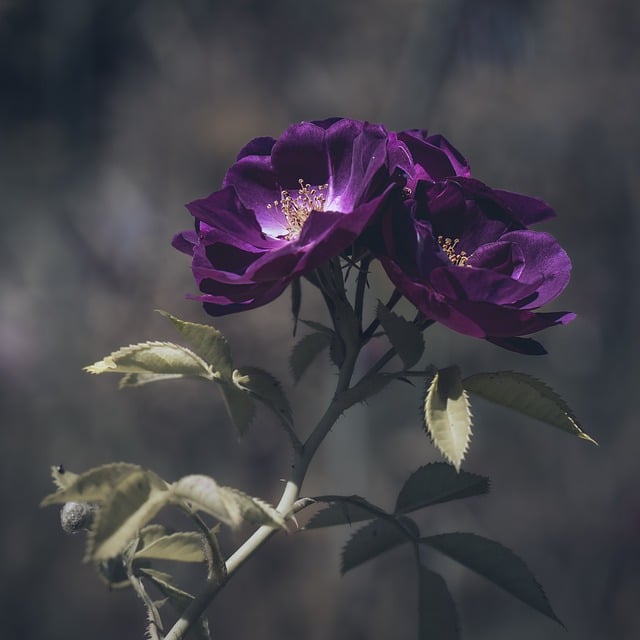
113	114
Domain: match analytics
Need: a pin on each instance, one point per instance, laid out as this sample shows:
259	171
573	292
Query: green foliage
61	477
436	483
184	546
403	335
376	538
343	510
240	406
527	395
266	388
306	351
153	357
496	563
447	415
437	615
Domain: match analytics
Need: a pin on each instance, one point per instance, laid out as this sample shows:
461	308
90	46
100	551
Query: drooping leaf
132	504
207	342
62	478
266	388
230	506
374	539
436	483
130	380
437	614
496	563
527	395
184	546
447	415
153	357
240	406
179	599
305	352
403	335
342	510
94	485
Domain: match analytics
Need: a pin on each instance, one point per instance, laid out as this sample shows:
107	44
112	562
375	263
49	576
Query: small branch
375	323
361	285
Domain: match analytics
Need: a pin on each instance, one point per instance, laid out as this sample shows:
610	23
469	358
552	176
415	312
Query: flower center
449	247
296	208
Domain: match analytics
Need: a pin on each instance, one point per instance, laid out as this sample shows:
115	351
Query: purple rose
461	251
286	207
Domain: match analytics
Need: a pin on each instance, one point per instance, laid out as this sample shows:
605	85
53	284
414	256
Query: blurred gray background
115	114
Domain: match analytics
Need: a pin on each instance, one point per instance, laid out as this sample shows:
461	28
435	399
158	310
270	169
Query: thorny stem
303	455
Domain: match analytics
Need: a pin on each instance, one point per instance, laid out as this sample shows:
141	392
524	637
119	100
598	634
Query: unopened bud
76	516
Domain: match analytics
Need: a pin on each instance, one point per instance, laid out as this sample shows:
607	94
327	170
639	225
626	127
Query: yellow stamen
296	208
449	247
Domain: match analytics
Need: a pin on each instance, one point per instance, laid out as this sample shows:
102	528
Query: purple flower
461	251
286	207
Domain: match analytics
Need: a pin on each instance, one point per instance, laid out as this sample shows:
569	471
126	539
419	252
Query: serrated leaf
133	503
229	505
527	395
266	388
321	328
181	547
62	478
305	352
437	614
374	539
342	510
131	380
497	564
94	485
240	407
153	357
151	533
296	302
436	483
403	335
178	598
447	415
207	342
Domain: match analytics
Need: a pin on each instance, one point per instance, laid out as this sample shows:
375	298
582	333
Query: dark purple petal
185	241
526	346
526	209
257	147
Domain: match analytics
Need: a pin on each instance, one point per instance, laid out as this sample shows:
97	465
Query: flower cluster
459	250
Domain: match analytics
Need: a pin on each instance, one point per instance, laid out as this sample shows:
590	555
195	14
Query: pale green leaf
447	415
496	563
436	483
151	533
94	485
62	478
376	538
305	352
183	546
403	335
527	395
342	510
229	505
133	503
153	357
207	342
240	406
130	380
437	614
266	388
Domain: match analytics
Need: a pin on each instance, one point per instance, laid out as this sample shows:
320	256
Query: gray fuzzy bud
76	516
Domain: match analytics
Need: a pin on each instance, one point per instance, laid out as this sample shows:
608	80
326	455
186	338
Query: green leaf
207	342
447	415
437	615
240	407
151	533
342	510
62	478
305	352
135	501
403	335
153	357
527	395
436	483
375	538
230	506
94	485
496	563
130	380
266	388
181	547
319	327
